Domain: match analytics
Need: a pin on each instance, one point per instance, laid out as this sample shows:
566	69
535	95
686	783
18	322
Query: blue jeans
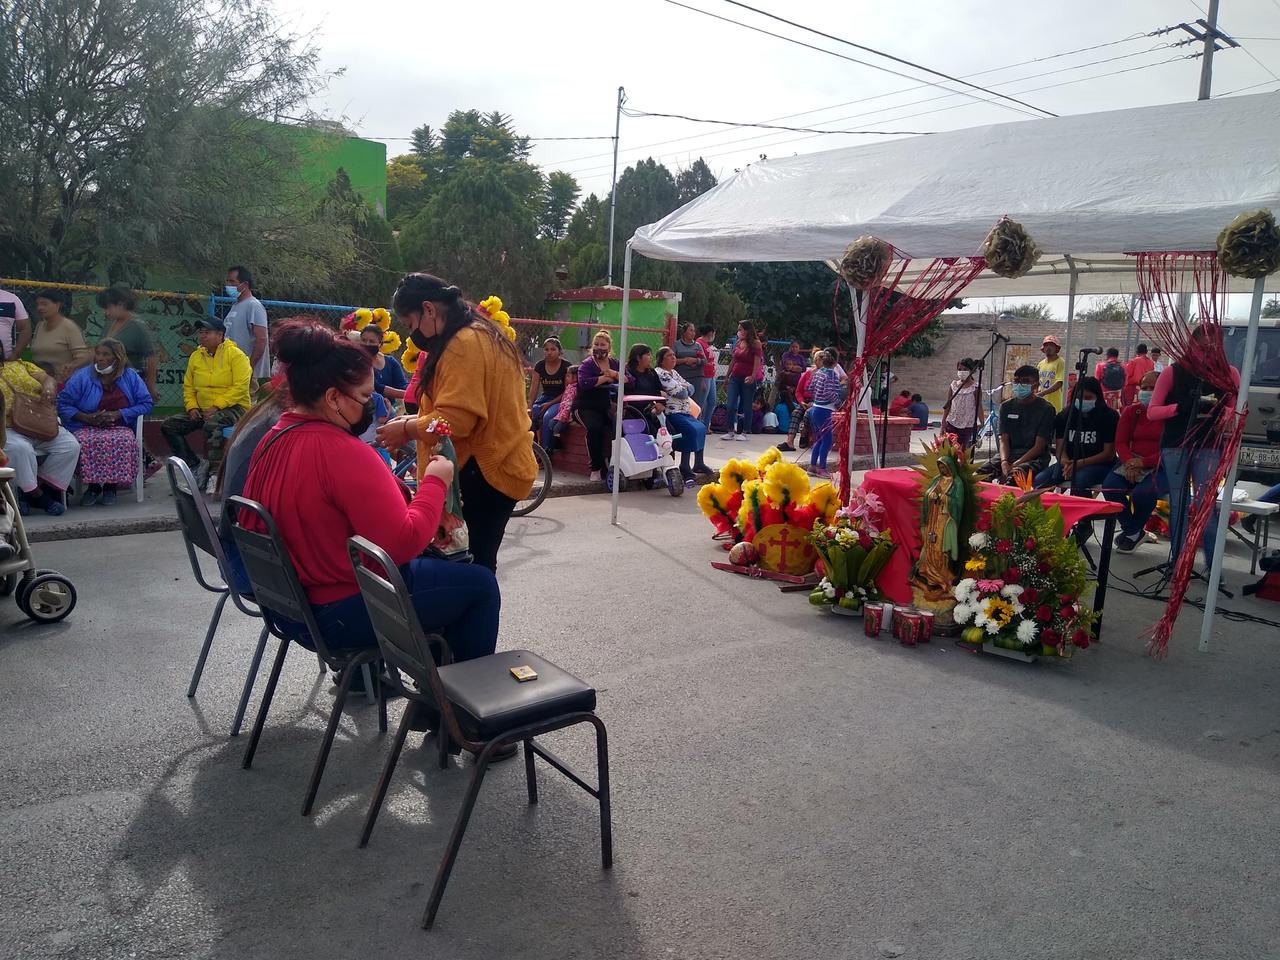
1179	464
459	600
1086	477
1138	500
741	392
693	435
820	434
1272	495
707	400
548	424
538	409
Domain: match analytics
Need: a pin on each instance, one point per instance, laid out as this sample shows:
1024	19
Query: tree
375	263
1271	308
694	181
133	138
481	235
1114	309
407	188
1030	311
561	194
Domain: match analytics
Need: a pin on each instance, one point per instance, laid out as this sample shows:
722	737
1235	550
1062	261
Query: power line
887	56
917	86
530	139
801	43
1252	86
770	126
1064	83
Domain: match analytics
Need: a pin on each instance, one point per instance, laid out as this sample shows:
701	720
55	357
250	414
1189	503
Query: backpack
1113	375
719	418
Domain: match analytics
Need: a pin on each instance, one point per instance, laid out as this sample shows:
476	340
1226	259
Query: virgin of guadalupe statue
941	509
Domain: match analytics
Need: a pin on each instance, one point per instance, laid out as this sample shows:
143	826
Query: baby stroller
43	595
644	458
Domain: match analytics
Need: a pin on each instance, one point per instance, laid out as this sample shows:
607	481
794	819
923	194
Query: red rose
1029	596
1050	637
1003	546
831	534
864	540
1066	598
1012	575
1066	613
1044	613
1081	638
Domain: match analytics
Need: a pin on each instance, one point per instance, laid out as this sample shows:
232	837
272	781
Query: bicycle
404	470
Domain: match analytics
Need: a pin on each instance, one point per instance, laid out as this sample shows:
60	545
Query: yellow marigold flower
363	316
825	500
711	499
768	459
786	483
976	565
382	318
390	342
491	305
735	473
511	333
750	500
409	359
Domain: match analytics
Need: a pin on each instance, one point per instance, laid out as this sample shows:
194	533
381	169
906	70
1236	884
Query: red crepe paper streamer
892	322
1163	279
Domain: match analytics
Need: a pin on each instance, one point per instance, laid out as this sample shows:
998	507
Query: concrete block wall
969	335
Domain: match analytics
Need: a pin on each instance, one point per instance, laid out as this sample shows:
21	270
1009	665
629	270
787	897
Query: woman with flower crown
473	378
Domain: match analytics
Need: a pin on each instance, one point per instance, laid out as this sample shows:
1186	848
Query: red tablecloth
900	490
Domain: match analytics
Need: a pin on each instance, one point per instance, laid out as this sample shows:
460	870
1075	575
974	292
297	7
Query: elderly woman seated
101	404
43	465
691	433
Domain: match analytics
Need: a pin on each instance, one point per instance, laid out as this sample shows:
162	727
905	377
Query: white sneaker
211	484
728	436
740	436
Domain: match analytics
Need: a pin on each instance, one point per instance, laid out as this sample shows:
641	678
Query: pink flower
1030	544
989	586
984	522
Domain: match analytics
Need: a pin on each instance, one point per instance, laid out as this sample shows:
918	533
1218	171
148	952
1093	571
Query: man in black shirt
1026	427
1086	434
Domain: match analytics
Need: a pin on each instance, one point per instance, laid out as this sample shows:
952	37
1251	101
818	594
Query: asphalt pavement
784	787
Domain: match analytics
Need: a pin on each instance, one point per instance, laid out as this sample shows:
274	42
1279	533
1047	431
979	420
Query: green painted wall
323	153
643	313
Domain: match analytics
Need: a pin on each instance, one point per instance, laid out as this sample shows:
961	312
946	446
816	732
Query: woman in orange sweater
473	377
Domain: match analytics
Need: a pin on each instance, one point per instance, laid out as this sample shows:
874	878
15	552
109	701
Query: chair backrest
403	643
276	588
198	532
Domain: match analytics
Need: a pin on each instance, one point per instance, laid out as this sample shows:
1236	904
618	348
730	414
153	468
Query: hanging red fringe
893	318
1163	280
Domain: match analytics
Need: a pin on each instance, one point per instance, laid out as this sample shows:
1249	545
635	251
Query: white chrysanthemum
1012	590
966	590
979	540
992	627
1027	631
962	612
824	583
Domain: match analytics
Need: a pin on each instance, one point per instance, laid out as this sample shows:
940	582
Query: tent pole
616	465
1071	317
1224	513
855	405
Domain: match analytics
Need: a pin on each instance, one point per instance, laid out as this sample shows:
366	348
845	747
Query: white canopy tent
1090	189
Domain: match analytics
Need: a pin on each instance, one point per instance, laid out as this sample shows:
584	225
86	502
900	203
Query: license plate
1259	456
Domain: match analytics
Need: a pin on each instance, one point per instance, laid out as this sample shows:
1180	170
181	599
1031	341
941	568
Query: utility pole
1210	44
613	187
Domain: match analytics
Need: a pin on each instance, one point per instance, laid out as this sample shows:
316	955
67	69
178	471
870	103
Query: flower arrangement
359	319
769	504
1024	584
491	308
854	551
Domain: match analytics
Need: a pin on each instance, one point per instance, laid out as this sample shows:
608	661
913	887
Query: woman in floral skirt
101	404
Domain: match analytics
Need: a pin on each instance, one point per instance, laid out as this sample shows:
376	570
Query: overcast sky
555	67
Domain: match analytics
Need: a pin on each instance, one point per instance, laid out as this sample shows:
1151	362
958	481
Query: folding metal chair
280	595
199	533
481	705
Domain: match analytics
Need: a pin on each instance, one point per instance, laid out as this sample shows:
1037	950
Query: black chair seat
488	700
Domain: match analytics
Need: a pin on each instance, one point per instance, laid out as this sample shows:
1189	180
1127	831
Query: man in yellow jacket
215	392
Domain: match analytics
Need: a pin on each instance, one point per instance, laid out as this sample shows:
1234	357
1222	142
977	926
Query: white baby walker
43	595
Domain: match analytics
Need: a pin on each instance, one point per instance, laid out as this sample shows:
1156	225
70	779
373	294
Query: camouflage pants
176	428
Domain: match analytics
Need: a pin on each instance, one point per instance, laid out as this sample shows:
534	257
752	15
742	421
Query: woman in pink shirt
707	399
745	370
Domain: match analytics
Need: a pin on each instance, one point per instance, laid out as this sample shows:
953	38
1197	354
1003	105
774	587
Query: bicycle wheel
541	484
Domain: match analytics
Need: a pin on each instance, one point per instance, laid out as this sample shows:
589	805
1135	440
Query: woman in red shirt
744	373
322	485
1138	481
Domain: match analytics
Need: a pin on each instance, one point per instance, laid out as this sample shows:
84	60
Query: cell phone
524	674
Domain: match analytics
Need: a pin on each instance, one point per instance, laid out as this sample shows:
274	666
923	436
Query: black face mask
420	339
370	349
366	418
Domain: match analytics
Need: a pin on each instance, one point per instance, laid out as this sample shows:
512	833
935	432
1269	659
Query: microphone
999	336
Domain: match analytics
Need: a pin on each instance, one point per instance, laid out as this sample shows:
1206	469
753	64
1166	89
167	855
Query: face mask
1022	391
600	353
103	371
961	374
366	418
420	339
232	291
1086	406
1144	396
370	349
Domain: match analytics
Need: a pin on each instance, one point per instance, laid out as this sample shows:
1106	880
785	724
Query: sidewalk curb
108	527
